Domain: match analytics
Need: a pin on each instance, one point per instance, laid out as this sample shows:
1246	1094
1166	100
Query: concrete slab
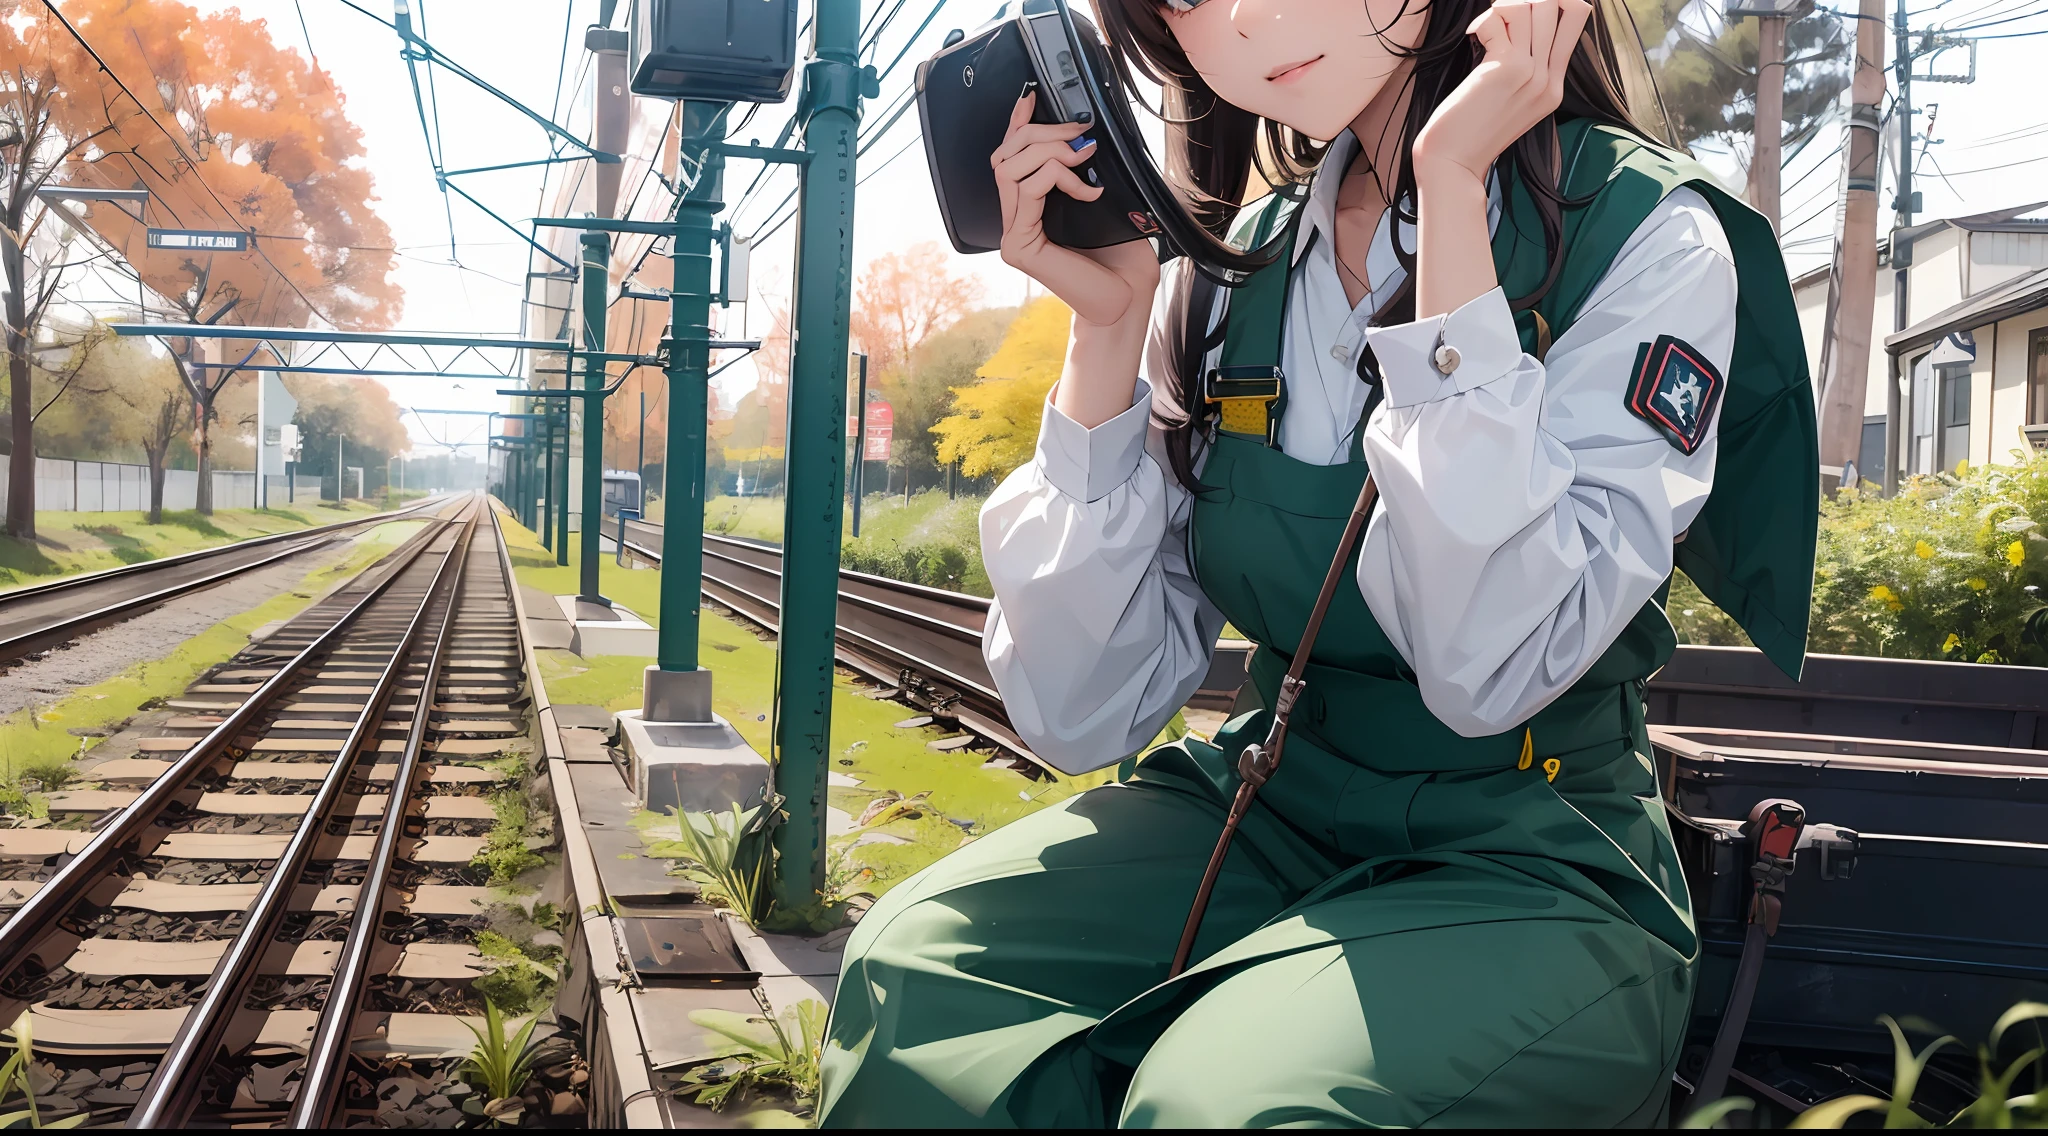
625	870
586	747
692	767
788	955
598	630
545	626
672	1038
577	715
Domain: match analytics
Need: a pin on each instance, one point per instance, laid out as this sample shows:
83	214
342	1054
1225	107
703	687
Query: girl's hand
1109	289
1520	82
1104	286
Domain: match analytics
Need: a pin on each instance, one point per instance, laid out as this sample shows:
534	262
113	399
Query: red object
881	423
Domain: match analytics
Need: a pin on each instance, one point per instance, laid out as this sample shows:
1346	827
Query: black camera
965	95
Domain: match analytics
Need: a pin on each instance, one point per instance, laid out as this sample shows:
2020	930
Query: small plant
730	853
763	1055
505	854
518	983
46	774
500	1065
18	1073
1995	1106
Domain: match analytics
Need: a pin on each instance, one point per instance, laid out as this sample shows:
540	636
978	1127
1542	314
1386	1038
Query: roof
2012	219
2014	297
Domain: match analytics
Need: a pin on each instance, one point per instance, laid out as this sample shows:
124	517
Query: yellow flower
1976	583
1924	550
1884	596
2015	554
1951	643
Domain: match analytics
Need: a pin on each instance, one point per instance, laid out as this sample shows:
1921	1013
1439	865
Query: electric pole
833	85
1852	277
1768	132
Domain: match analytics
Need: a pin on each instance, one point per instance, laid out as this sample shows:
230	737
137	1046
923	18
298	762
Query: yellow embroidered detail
1528	749
1551	768
1245	415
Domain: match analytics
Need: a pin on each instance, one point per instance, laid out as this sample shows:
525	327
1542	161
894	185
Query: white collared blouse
1526	514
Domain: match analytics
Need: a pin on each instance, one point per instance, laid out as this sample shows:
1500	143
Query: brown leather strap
1260	760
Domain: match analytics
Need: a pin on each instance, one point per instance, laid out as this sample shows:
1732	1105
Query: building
1973	358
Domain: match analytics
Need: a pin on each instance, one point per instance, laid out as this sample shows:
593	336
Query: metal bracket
1837	846
754	149
833	85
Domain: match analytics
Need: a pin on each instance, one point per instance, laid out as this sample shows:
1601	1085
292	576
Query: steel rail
968	699
39	916
38	591
322	1081
172	1092
18	643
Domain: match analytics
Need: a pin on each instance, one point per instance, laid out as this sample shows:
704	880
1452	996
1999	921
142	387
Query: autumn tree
941	363
996	424
226	130
901	299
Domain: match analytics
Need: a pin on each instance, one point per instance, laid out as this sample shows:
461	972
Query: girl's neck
1362	196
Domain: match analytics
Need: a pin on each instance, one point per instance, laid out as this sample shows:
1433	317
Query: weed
500	1065
505	855
761	1055
519	982
17	1073
45	774
730	854
1995	1106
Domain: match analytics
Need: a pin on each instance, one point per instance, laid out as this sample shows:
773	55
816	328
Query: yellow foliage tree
997	421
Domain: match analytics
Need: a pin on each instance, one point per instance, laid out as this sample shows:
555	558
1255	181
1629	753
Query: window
1955	413
2037	377
1920	455
1940	416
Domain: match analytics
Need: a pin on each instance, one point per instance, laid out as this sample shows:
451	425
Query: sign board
200	240
881	421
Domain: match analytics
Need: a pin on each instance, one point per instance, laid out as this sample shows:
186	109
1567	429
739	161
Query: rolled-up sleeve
1526	513
1099	632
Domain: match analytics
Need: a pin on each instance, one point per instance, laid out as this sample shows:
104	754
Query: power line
179	145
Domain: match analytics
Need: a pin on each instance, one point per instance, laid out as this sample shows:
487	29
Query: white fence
64	486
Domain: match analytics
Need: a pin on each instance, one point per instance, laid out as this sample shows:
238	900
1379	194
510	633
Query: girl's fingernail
1079	144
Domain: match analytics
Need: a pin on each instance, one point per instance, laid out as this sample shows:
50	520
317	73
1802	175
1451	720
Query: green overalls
1413	927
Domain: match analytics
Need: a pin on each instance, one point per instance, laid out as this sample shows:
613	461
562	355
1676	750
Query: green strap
1248	385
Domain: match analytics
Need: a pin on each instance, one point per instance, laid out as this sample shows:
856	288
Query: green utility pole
597	275
544	466
675	689
558	496
829	112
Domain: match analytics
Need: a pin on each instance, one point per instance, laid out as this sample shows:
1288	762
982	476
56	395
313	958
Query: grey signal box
715	50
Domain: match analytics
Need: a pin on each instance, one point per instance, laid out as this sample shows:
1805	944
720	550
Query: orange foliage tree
226	130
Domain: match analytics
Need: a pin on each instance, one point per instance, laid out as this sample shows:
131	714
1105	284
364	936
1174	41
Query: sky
1993	147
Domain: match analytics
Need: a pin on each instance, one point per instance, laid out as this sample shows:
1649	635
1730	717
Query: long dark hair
1213	148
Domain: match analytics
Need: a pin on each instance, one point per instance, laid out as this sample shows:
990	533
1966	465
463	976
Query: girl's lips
1292	70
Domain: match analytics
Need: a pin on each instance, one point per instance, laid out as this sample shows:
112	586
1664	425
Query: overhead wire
178	145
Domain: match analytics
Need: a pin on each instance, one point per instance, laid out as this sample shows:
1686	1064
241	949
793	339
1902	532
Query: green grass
966	800
69	543
32	737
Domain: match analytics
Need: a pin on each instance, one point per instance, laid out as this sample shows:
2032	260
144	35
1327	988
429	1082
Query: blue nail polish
1079	144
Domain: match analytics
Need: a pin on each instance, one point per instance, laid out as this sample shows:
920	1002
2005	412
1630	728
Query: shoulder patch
1676	390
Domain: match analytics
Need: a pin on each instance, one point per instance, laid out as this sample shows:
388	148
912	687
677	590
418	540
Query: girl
1569	361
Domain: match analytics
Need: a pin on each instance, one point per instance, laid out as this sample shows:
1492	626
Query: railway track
923	643
927	642
271	906
42	615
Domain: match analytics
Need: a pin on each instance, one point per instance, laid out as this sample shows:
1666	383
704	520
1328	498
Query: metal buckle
1245	397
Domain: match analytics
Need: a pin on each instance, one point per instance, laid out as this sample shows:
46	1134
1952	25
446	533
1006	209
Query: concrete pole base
675	696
